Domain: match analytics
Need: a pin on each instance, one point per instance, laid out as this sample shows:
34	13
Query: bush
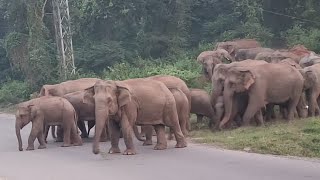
14	92
308	37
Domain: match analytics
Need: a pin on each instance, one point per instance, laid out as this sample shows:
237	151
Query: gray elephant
201	105
311	75
209	59
134	101
243	54
266	83
232	46
46	111
310	60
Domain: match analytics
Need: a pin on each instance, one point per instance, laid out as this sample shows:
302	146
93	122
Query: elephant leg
90	126
104	136
170	136
259	118
66	135
269	112
53	132
114	136
199	118
83	129
41	140
59	134
161	137
33	135
254	105
148	133
181	141
292	105
75	136
127	135
46	128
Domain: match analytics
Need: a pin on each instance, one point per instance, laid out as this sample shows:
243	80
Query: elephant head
309	78
209	59
50	90
109	97
238	80
24	114
310	60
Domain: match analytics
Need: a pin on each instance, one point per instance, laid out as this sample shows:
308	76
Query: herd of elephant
247	82
115	108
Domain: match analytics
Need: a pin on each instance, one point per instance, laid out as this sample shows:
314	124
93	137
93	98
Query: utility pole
62	23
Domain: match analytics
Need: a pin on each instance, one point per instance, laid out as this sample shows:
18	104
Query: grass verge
9	109
297	138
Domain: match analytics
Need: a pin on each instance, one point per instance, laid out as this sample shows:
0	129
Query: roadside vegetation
300	137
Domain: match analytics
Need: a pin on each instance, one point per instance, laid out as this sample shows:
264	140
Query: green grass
296	138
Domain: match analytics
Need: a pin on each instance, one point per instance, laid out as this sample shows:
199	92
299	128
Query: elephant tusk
307	107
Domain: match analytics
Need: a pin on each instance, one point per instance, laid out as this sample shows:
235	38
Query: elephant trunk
136	133
18	127
101	118
216	92
228	103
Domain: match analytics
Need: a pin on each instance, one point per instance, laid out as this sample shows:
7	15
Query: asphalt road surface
196	162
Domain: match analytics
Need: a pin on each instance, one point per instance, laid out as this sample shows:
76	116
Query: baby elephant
201	105
45	111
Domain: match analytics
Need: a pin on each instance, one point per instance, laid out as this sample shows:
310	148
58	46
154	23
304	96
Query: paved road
195	162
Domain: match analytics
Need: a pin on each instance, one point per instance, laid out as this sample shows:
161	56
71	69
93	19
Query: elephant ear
44	91
310	77
248	78
124	95
32	109
88	96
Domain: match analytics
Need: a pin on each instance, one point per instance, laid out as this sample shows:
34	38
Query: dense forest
133	38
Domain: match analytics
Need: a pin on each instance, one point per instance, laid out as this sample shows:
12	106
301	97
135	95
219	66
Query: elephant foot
30	148
170	137
84	136
113	150
160	147
77	143
104	139
42	146
66	145
129	152
59	140
181	145
147	143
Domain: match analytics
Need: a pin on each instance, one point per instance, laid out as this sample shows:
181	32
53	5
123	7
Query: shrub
14	92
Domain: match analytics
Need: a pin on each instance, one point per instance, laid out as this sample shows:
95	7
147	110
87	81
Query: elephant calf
46	111
201	105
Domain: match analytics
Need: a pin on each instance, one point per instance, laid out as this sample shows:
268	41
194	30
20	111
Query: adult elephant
85	112
64	88
243	54
310	60
134	101
311	75
232	46
266	83
173	82
67	87
46	111
209	59
220	74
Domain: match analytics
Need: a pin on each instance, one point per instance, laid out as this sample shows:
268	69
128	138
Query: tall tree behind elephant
65	88
135	101
311	75
232	46
46	111
243	54
201	106
209	59
266	83
175	82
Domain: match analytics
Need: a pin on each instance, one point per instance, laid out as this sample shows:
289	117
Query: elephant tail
136	133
